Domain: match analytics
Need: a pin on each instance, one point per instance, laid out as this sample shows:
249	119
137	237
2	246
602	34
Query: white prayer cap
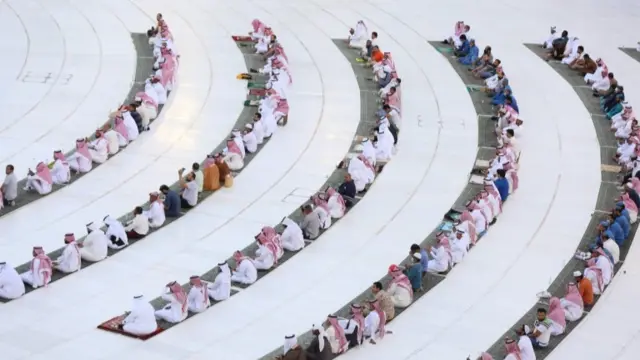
460	231
249	126
527	329
577	273
137	98
417	256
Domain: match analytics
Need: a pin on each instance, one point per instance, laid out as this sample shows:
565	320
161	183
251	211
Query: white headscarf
369	151
115	228
289	342
225	272
321	336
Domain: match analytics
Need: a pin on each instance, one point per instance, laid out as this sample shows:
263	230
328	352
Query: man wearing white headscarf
70	260
11	285
384	143
198	297
460	243
292	238
368	151
319	348
141	320
94	247
292	351
220	289
358	37
362	174
116	233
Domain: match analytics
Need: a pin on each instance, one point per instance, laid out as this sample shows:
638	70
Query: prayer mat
254	85
257	92
243	38
244	76
446	226
472	88
251	102
444	49
112	326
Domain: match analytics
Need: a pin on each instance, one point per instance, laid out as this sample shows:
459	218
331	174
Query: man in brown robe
320	348
211	174
223	168
292	351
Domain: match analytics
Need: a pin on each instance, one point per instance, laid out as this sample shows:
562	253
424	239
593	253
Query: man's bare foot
372	342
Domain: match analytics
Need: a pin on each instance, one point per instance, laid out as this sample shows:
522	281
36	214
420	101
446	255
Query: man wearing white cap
141	320
585	288
459	245
249	138
220	289
94	247
70	260
11	285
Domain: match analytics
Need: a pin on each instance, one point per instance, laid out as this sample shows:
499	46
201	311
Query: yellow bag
228	181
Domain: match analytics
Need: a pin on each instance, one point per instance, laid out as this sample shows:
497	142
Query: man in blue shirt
622	221
424	259
502	184
415	273
171	202
616	230
464	48
620	206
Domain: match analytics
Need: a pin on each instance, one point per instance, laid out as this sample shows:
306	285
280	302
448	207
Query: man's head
392	90
541	314
501	173
191	176
164	189
610	75
386	108
463	37
581	50
377	286
587	57
347	177
374	35
565	33
459	234
9	169
467	28
137	210
510	133
351	31
472	42
415	248
159	17
307	209
195	167
257	116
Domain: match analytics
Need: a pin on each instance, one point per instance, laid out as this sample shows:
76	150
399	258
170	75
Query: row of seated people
123	126
604	253
271	245
367	320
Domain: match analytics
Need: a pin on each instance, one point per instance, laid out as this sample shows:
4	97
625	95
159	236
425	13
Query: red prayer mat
242	38
258	92
112	326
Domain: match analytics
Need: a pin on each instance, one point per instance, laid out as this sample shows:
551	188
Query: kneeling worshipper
460	243
440	256
291	238
361	170
335	334
220	289
115	233
40	271
383	143
599	270
40	181
11	285
189	189
139	226
234	152
358	36
374	323
113	140
556	316
95	246
313	221
70	260
572	303
320	348
147	108
60	172
80	161
245	271
322	208
177	309
399	288
198	297
157	88
334	202
268	252
292	351
141	320
250	140
98	149
155	214
354	327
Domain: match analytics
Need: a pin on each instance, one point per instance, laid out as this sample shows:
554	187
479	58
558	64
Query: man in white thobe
178	308
250	140
358	36
220	289
292	238
265	256
95	246
70	260
141	320
459	246
115	233
155	214
60	172
40	181
439	261
198	297
99	149
80	160
11	285
245	272
39	273
599	271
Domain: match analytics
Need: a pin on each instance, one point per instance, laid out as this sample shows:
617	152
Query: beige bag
228	181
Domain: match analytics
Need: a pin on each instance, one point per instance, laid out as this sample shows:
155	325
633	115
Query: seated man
171	202
70	260
400	290
80	161
416	271
41	180
384	300
599	270
9	187
312	221
189	196
245	271
250	140
374	323
292	237
440	258
99	149
585	288
348	189
115	233
556	316
335	335
40	271
11	285
471	57
541	330
463	49
60	172
139	226
95	245
320	347
155	214
198	297
141	320
292	351
358	37
266	254
335	202
354	327
572	303
177	309
220	289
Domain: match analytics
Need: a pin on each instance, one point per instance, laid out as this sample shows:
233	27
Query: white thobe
440	261
334	342
237	138
601	84
400	296
459	248
486	209
605	266
572	311
612	247
250	142
60	174
269	123
155	214
151	91
264	259
360	173
220	289
258	131
117	230
549	42
130	124
148	112
292	238
99	151
172	312
323	215
141	320
36	183
335	208
479	220
234	161
11	285
161	93
140	225
526	348
384	146
197	299
79	162
36	277
246	273
371	324
69	261
95	246
114	141
359	37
